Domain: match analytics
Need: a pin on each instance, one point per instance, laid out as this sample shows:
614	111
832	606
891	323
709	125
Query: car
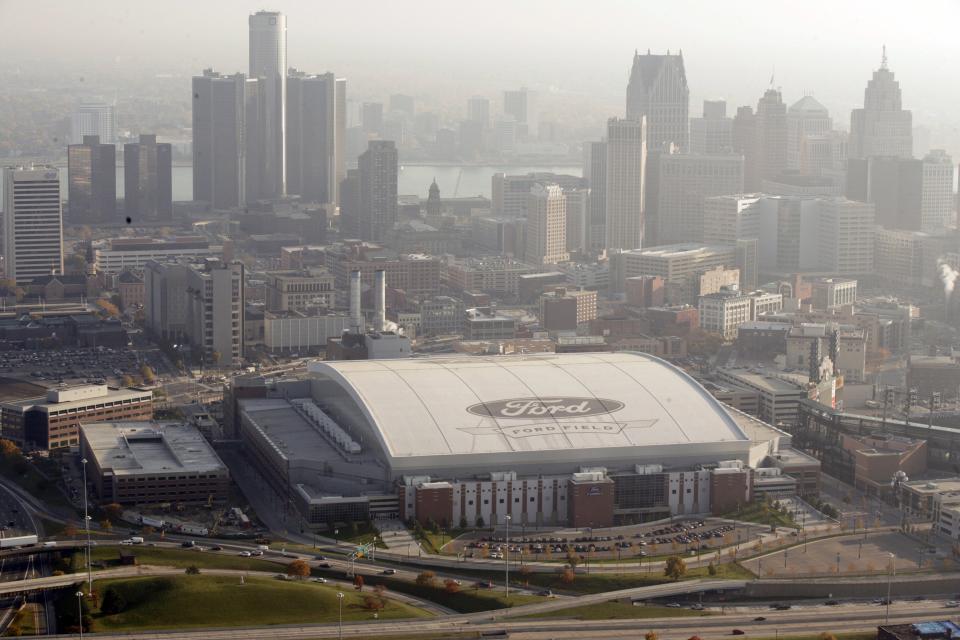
832	603
951	604
216	547
696	606
326	565
187	544
673	605
759	619
783	607
320	580
547	593
736	632
256	553
244	554
321	557
386	572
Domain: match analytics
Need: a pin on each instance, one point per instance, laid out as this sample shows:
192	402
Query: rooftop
128	448
108	394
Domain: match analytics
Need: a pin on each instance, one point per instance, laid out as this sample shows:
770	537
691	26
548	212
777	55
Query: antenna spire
883	59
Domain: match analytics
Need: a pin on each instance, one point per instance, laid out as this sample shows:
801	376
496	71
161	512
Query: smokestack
356	317
379	299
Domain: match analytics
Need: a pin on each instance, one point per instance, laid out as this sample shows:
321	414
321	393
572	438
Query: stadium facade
584	440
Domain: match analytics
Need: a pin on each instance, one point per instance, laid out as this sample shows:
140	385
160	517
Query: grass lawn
177	558
601	582
212	601
434	542
762	514
25	474
615	610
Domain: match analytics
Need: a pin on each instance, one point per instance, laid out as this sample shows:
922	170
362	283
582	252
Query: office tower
311	136
215	311
743	138
371	117
148	180
882	127
713	133
909	194
268	62
378	189
478	110
846	238
729	218
219	152
626	163
771	136
809	143
521	104
92	182
403	104
340	136
350	205
684	180
546	225
32	223
578	217
254	112
93	119
506	135
595	174
658	91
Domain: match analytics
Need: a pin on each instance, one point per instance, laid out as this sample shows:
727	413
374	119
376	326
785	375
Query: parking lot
638	541
100	365
854	554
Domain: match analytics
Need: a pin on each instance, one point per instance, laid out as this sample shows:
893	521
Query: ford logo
522	408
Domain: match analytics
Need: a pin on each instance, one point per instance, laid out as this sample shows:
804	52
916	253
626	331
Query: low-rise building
53	421
829	293
484	323
122	254
297	290
565	310
878	458
148	463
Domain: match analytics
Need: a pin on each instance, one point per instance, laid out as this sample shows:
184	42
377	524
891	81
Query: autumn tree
650	635
358	582
299	569
567	576
451	586
426	578
106	525
108	308
675	568
148	375
127	380
193	570
373	602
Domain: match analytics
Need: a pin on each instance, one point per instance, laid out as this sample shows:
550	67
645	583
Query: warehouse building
581	439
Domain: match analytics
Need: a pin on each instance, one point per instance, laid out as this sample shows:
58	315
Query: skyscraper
32	223
684	181
219	152
626	164
268	61
658	90
340	138
771	136
809	141
478	110
350	204
378	190
92	181
521	104
147	180
595	173
93	119
713	133
311	136
546	225
882	127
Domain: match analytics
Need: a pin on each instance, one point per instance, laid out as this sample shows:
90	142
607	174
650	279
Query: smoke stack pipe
379	299
356	317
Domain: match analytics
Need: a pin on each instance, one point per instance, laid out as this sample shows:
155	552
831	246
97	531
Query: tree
650	635
675	568
451	586
426	578
463	522
358	582
75	264
373	603
193	570
480	522
148	375
299	569
70	530
127	380
826	636
712	569
108	308
9	449
113	510
525	571
106	525
567	576
113	601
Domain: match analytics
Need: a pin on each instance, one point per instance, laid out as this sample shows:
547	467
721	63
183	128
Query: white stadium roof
610	404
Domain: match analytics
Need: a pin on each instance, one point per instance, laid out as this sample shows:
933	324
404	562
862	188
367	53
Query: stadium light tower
86	524
506	559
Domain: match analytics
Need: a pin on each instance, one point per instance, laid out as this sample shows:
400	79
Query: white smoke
948	276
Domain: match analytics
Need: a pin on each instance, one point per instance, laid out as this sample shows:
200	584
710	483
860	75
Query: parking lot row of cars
91	365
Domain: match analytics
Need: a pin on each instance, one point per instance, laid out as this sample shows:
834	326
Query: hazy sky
451	48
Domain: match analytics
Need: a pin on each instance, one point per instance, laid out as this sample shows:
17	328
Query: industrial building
147	462
581	439
53	421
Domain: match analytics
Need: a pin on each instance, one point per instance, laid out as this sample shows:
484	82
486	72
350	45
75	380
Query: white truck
14	542
136	540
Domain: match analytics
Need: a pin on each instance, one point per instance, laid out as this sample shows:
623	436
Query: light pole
506	559
340	615
80	612
891	571
86	524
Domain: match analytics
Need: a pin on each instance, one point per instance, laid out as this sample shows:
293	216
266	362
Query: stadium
588	439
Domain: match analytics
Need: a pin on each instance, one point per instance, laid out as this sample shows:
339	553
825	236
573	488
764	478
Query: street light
340	615
80	611
86	523
891	571
506	559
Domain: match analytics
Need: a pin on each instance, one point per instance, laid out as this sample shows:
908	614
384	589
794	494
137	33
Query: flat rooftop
137	448
765	381
112	395
285	429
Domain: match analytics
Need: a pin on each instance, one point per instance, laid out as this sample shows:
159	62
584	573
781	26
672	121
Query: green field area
212	601
762	514
615	610
175	558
